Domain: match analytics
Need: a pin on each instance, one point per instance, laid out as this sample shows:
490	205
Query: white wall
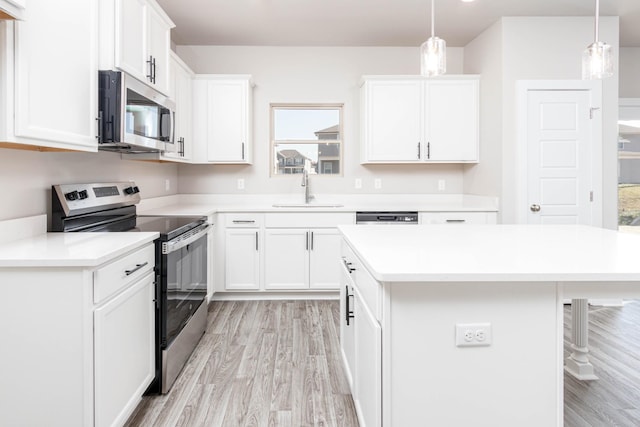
630	72
312	75
540	48
484	56
26	177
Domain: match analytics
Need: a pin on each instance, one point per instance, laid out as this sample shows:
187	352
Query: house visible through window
306	137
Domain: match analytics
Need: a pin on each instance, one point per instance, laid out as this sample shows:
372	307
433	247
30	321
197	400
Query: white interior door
559	157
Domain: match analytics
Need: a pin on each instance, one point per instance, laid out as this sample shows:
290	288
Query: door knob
535	208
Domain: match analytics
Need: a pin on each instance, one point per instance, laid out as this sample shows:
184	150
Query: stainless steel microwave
133	117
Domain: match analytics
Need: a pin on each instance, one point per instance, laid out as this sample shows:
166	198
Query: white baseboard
282	295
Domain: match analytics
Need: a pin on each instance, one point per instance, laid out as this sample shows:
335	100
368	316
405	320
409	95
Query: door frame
522	89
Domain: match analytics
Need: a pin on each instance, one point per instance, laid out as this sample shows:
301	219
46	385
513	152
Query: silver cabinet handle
244	221
138	267
306	244
312	240
428	150
256	240
456	220
535	208
418	150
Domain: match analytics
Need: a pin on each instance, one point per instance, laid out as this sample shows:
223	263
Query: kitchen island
463	325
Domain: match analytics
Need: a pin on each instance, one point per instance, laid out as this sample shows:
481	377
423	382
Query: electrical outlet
167	184
377	183
358	183
473	334
240	184
441	185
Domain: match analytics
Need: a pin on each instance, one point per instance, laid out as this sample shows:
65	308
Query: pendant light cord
596	21
433	20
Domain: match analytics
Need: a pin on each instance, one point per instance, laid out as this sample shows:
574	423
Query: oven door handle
185	239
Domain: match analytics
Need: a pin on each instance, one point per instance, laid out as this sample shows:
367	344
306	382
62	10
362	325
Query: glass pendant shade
433	57
597	61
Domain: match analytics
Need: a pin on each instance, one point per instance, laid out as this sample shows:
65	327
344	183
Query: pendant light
433	55
597	60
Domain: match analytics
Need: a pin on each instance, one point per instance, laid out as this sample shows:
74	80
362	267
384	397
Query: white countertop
70	249
458	253
206	204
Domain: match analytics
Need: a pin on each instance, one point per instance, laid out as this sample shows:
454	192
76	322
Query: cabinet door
124	346
180	89
228	121
392	123
158	33
368	365
286	259
452	126
347	327
242	258
324	254
56	74
131	38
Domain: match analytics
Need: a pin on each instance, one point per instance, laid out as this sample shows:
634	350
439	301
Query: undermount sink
307	205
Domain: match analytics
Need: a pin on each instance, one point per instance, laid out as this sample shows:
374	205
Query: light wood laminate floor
260	363
614	346
277	363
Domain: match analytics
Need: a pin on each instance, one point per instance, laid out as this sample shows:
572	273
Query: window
306	137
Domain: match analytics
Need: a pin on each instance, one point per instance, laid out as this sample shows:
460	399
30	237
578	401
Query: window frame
304	106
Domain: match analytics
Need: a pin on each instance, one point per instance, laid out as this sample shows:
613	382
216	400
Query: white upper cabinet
180	90
222	111
136	38
392	122
12	8
417	120
452	120
49	76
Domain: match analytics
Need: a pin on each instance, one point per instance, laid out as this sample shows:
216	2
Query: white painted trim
258	296
629	102
560	353
595	89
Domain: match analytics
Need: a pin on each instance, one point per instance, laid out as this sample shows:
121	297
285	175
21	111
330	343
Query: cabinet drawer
370	290
114	277
308	220
457	218
244	220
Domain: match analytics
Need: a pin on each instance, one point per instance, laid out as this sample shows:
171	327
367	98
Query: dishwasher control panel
408	217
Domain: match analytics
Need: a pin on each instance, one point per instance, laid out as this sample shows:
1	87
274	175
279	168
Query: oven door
185	258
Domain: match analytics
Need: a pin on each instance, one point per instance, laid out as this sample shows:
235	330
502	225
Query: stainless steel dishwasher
387	218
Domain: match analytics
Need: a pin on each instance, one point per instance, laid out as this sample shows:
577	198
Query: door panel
559	150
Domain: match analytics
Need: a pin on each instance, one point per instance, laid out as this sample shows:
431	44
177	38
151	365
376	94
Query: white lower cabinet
347	327
82	352
124	352
242	249
242	259
301	258
368	364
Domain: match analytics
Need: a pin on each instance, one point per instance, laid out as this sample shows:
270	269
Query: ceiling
368	22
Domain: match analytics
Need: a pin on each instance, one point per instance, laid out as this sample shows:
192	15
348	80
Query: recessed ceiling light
467	1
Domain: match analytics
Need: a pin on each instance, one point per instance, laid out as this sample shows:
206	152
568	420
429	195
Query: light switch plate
377	183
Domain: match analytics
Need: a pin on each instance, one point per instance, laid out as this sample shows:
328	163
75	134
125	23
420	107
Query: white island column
577	364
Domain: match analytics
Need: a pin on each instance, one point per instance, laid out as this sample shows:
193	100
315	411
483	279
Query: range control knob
83	194
129	190
72	195
136	190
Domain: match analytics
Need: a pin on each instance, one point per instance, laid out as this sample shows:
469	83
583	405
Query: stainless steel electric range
181	263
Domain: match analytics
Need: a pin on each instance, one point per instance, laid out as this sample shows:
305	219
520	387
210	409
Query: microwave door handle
173	128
